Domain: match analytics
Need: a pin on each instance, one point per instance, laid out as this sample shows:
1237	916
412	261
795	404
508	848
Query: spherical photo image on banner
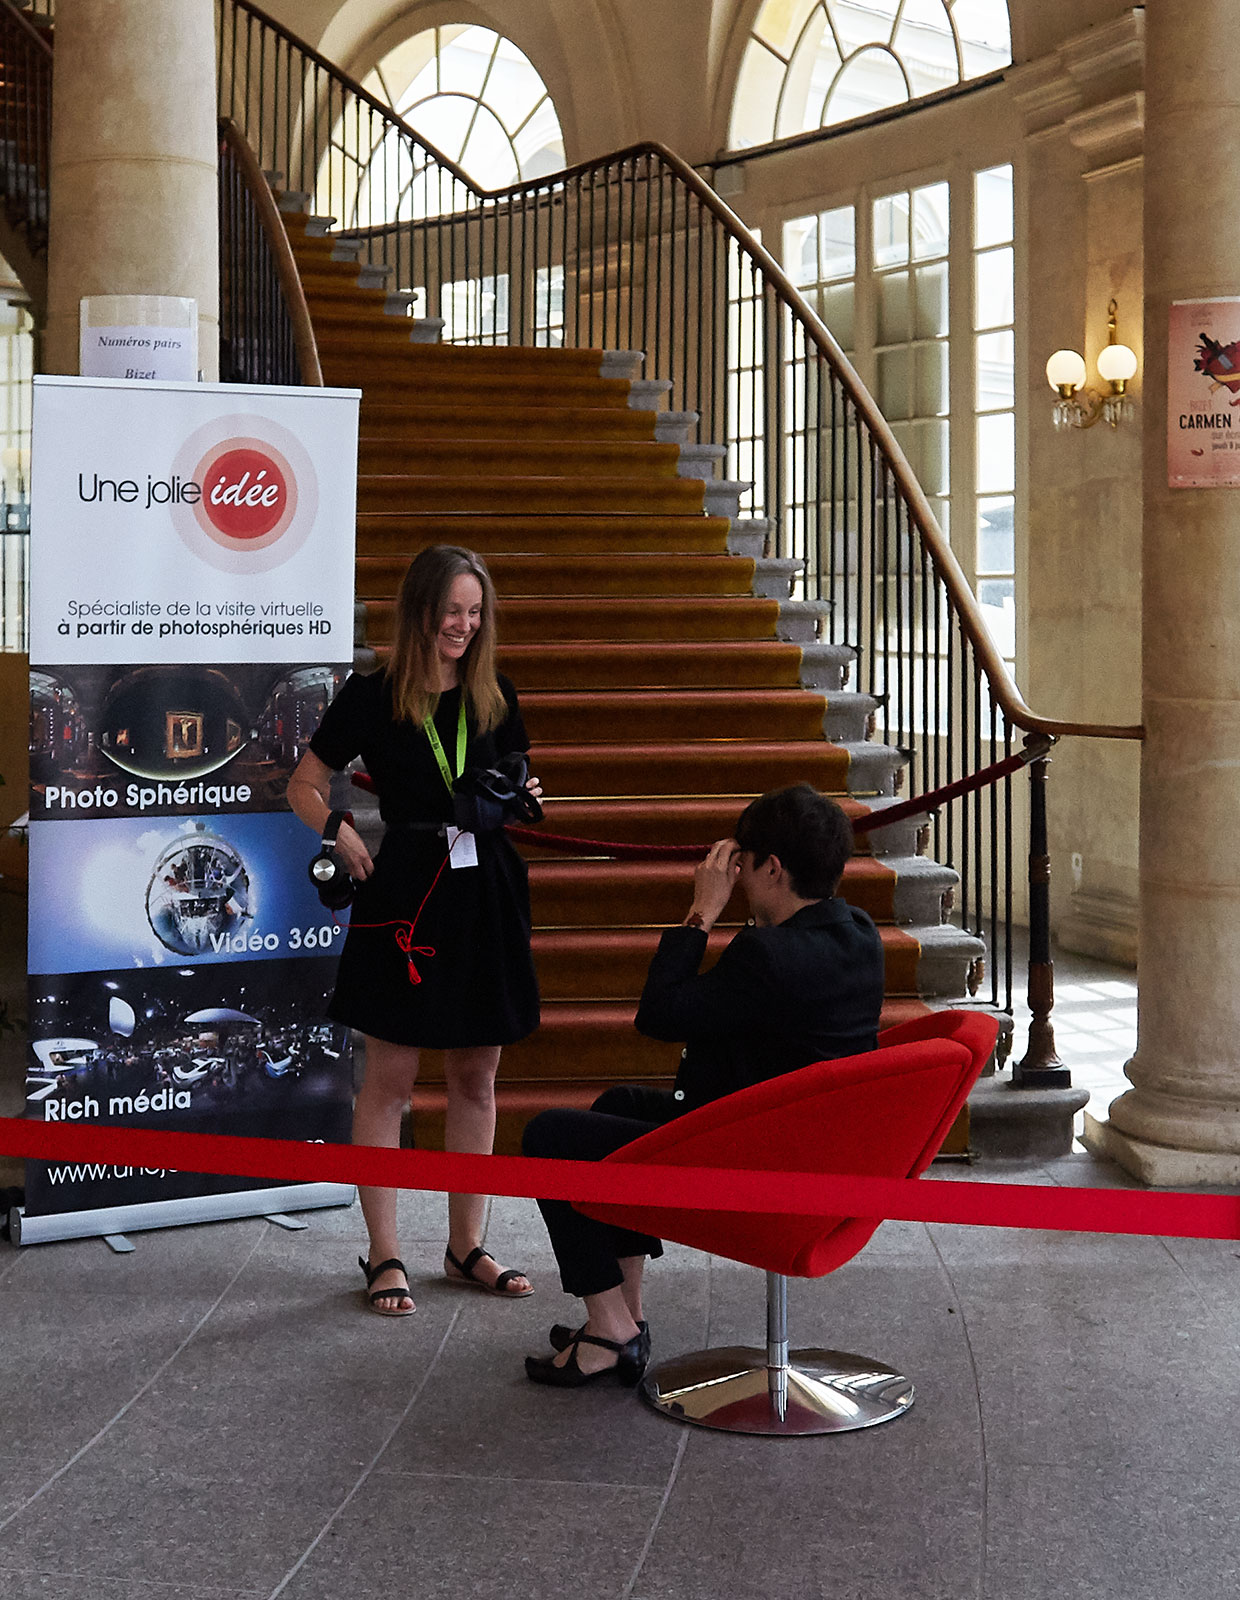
175	891
125	739
236	1041
198	893
259	494
245	1049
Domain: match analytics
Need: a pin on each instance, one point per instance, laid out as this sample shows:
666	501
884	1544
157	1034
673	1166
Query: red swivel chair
882	1114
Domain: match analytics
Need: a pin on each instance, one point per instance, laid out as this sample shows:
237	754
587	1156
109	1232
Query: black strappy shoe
561	1336
395	1292
470	1280
629	1365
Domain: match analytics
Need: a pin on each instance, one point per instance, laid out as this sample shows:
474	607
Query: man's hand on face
713	882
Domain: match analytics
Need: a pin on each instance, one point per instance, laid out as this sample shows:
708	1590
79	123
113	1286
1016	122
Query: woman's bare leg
391	1072
469	1127
633	1268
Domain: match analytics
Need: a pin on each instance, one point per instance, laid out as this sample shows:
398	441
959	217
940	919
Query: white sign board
140	353
138	338
155	506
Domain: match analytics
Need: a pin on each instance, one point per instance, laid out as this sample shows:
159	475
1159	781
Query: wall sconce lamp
1079	406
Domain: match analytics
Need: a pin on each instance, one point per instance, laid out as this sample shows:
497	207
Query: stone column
1180	1122
133	171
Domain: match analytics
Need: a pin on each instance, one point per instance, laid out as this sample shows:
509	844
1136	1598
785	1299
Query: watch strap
332	826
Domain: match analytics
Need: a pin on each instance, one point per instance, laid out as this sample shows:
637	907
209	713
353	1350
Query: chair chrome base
818	1391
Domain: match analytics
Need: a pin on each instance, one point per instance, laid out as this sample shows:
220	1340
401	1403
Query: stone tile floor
216	1417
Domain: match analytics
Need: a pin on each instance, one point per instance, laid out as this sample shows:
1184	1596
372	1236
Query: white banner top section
154	506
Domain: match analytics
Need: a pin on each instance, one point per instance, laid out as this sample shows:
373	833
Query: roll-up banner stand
191	616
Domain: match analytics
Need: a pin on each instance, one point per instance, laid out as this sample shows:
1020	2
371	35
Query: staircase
666	677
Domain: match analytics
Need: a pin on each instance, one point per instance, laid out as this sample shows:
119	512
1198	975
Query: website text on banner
191	617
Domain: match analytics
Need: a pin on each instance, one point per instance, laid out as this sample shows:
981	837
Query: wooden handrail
1003	691
282	254
29	29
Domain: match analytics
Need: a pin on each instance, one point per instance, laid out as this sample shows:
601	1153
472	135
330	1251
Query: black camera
327	872
485	798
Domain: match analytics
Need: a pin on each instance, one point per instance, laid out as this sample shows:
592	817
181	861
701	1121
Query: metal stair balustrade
25	145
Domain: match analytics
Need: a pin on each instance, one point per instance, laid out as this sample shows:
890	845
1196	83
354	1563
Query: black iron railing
25	126
265	334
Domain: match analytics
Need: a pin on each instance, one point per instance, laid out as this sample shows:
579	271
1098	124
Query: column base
1160	1165
1022	1124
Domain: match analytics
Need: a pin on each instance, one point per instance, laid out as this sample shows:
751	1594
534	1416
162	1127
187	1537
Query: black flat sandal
629	1366
470	1281
393	1293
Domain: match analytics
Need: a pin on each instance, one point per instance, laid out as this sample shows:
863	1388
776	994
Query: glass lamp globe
1116	363
1065	370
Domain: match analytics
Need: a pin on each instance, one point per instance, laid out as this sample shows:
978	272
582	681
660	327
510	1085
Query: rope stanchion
994	1205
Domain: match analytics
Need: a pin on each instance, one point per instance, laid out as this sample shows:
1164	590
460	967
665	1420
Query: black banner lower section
239	1048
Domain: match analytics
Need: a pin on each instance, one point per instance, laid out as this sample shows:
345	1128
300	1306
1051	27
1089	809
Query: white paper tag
462	848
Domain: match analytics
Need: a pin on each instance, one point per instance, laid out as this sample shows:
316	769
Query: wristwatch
694	920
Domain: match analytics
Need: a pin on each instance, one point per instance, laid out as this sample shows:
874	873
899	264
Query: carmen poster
191	618
1203	395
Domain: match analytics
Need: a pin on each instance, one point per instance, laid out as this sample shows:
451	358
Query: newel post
1041	1067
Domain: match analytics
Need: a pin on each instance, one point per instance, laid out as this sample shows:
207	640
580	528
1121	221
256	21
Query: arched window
473	95
812	63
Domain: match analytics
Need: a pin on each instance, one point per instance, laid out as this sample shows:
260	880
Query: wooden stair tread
586	533
608	716
594	663
570	893
498	492
690	769
678	819
502	458
380	419
621	618
428	362
545	575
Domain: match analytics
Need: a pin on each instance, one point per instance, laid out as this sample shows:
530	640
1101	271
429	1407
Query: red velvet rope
994	1205
870	822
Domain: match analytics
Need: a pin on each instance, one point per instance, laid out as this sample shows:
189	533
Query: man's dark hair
808	832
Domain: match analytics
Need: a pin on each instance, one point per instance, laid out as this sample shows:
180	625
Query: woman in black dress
438	950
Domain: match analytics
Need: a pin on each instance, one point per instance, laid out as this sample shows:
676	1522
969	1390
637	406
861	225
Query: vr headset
327	872
485	798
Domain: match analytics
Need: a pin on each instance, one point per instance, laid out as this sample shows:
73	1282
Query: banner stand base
269	1203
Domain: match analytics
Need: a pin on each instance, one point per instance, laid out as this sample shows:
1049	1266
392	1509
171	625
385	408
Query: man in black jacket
803	982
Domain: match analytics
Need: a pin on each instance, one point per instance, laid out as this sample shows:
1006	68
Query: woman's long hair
413	666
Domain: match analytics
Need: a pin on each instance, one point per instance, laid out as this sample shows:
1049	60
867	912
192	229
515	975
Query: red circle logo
245	493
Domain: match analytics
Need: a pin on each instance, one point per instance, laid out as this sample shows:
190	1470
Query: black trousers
588	1253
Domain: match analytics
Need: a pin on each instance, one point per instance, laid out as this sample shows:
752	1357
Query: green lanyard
432	734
